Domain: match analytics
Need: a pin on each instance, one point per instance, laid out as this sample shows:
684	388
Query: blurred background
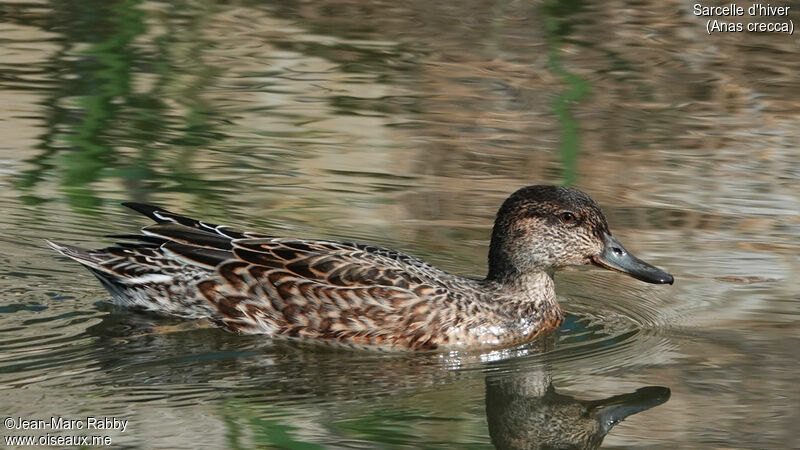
405	124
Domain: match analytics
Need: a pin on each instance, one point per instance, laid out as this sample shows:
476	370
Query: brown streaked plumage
362	295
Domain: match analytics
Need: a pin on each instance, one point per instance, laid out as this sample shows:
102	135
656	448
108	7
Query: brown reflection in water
524	413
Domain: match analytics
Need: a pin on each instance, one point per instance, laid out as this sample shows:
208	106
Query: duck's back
345	292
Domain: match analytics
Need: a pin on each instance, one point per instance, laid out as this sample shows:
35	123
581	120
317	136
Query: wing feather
174	232
316	289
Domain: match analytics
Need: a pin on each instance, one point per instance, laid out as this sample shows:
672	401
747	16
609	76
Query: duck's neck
520	290
534	289
507	261
503	271
529	303
501	267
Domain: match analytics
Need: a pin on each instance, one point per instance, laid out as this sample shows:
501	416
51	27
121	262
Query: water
406	124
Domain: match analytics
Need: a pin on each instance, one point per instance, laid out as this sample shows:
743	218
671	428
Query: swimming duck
361	295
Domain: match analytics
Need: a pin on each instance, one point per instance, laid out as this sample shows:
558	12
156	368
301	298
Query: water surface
406	124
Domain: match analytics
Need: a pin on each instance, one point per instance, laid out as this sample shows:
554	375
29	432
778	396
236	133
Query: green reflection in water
554	13
99	126
401	426
241	420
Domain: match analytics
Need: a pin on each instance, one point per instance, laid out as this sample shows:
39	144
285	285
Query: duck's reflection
523	409
524	412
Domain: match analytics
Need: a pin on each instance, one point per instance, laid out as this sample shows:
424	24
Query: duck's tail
141	286
94	262
82	255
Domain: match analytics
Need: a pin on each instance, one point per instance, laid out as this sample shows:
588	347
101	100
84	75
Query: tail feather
102	262
92	262
132	283
81	255
159	270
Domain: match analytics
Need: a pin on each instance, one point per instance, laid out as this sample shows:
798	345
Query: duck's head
543	228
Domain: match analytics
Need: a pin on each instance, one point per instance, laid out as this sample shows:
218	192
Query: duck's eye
568	218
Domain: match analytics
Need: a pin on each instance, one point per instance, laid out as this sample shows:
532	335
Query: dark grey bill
615	257
614	410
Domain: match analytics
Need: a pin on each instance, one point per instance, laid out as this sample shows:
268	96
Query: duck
362	295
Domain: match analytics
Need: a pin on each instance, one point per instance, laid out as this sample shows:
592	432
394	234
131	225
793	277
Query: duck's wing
349	293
